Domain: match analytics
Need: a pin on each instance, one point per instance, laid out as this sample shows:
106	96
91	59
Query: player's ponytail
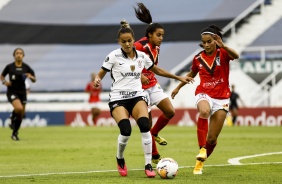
143	14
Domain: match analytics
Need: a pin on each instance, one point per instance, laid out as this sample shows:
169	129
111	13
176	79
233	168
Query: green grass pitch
59	154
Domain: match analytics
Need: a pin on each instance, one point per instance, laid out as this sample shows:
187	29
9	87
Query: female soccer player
212	94
18	72
94	97
150	44
127	97
234	108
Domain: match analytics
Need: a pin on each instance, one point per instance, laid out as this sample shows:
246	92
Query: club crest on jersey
217	60
139	63
132	67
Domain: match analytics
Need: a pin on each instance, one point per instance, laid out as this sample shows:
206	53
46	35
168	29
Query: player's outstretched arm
162	72
98	78
176	90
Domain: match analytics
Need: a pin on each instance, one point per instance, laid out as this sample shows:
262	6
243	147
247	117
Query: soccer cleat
156	158
160	140
11	125
198	169
15	137
149	171
202	155
122	169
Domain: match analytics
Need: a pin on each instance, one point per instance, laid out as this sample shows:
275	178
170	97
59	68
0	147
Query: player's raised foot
122	169
160	140
15	137
149	171
202	154
156	158
11	125
198	169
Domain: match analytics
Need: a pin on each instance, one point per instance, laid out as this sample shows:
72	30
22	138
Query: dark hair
125	28
213	29
144	15
16	51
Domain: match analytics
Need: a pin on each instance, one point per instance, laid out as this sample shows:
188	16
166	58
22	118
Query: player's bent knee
125	127
170	114
143	124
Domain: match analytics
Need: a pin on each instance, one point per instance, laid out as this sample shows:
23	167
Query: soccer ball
167	168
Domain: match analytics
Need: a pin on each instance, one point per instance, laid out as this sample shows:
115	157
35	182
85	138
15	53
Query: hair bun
124	24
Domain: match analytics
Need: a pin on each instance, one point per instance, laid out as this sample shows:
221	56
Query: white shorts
155	95
95	105
215	104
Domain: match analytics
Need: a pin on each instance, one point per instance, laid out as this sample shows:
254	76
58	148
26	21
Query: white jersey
126	74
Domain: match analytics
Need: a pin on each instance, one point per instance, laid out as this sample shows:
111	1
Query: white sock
122	142
147	147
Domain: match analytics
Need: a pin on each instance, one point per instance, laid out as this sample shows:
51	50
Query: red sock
160	124
210	148
94	121
202	131
154	147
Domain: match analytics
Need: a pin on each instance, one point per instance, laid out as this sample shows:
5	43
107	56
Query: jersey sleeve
30	70
5	71
194	66
148	63
225	54
87	88
138	46
109	62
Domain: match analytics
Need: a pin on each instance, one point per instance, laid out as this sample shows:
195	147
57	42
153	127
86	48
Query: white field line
236	161
232	163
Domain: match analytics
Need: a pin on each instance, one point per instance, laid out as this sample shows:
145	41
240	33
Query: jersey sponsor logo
118	55
127	94
210	85
129	74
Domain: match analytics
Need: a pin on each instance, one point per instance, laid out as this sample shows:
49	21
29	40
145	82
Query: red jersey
153	52
94	92
214	73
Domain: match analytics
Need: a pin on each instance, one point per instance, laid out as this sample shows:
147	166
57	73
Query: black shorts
13	95
128	104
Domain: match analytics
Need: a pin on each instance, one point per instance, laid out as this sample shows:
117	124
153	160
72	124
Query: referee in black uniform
18	71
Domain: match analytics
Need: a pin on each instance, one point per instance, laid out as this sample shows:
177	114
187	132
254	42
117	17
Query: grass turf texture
87	155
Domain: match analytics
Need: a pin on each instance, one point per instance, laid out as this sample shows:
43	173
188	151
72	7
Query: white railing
262	50
231	26
261	94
